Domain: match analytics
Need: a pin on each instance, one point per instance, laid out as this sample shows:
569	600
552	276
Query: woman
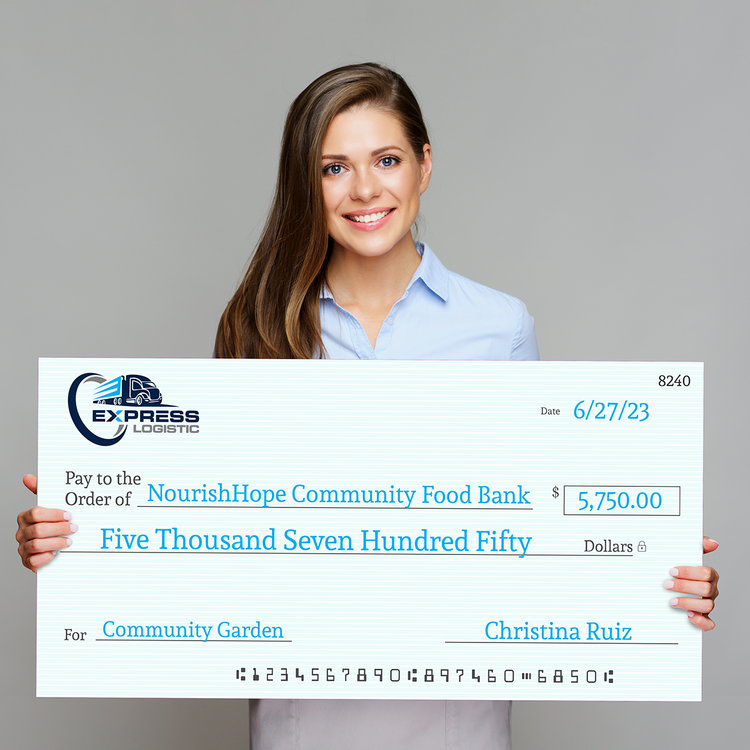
337	274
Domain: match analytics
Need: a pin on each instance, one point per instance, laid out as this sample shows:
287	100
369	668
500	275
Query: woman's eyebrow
386	148
344	157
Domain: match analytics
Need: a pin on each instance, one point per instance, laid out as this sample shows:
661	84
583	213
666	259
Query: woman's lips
368	221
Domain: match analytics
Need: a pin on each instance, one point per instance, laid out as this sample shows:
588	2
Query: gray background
591	159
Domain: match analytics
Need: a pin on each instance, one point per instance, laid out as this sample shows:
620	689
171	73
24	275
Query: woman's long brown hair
275	312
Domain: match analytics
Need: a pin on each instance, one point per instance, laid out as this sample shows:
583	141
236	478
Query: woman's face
371	182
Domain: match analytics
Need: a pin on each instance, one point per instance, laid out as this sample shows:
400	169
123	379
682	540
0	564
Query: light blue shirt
440	316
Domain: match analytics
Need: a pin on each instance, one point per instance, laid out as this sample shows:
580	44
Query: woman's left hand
700	581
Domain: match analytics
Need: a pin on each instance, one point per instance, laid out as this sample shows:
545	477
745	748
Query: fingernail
713	540
67	515
73	528
674	572
69	541
54	552
674	602
690	614
668	584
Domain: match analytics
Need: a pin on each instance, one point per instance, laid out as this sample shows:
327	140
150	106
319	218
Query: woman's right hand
40	531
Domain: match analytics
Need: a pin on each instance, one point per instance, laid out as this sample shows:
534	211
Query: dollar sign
555	492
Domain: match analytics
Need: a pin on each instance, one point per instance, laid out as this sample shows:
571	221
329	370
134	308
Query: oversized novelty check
370	529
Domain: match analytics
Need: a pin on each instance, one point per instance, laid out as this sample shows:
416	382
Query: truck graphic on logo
128	389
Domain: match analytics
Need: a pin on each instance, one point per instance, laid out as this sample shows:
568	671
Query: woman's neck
368	287
372	281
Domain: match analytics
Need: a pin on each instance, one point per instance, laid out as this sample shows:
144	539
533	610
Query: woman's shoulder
485	295
453	287
477	306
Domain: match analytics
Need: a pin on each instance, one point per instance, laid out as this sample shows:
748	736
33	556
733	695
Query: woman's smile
369	219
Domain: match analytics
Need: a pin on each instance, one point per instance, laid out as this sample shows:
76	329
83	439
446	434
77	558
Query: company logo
138	394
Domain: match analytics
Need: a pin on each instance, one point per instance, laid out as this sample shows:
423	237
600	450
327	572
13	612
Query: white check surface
399	529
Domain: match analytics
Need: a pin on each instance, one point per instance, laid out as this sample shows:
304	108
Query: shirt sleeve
524	346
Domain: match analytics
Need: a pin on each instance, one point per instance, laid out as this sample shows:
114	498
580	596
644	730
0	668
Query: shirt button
390	321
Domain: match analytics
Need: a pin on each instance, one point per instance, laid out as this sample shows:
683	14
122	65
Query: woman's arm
41	531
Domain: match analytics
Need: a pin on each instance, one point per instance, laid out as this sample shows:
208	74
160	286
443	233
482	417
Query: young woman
337	274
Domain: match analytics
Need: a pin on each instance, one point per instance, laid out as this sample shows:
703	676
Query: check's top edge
379	362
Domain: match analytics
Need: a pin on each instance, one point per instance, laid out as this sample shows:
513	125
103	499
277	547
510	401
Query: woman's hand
701	581
40	532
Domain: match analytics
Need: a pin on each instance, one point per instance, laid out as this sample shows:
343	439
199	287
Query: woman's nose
364	186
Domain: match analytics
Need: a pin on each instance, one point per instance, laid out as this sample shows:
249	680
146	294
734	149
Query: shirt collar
431	271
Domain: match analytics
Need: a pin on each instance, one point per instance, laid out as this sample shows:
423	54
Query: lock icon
641	546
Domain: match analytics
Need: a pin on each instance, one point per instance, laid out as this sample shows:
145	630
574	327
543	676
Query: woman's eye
389	161
333	169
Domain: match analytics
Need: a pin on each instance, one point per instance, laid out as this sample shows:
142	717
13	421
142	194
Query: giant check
347	529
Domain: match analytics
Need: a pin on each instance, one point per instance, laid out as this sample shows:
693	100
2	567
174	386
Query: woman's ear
426	167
